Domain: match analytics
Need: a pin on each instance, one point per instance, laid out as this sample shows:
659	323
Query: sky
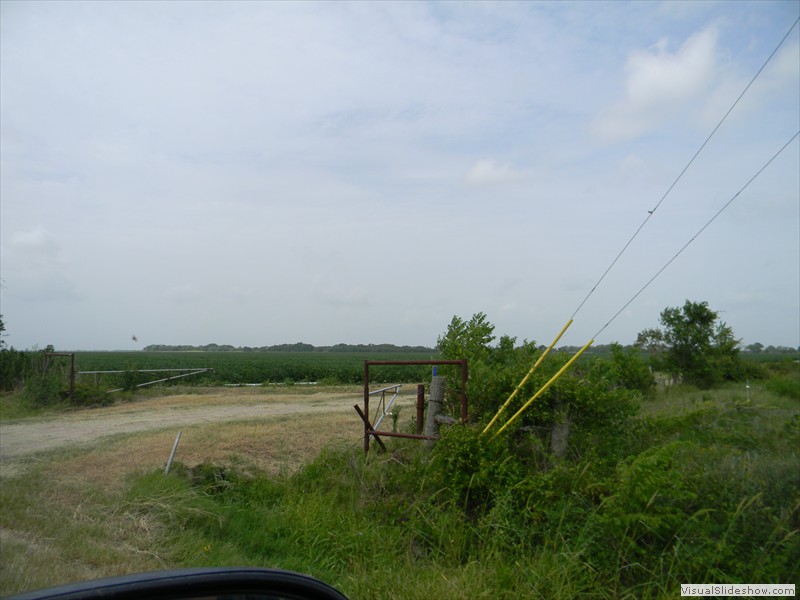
260	173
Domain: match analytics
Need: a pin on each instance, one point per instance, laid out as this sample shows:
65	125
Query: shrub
15	366
627	369
658	502
85	394
473	468
786	386
45	389
130	380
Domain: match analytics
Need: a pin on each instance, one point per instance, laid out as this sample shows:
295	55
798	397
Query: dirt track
22	439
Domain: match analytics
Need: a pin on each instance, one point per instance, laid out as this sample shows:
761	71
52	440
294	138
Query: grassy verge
16	405
701	487
69	515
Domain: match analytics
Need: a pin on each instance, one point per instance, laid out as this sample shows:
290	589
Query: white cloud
660	85
489	172
37	242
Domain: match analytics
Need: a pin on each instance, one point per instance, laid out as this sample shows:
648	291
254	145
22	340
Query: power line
650	213
711	220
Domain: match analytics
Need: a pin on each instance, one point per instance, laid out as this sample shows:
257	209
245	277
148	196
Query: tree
652	342
2	333
696	345
466	339
598	396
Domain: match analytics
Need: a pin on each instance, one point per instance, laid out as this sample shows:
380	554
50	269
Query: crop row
262	367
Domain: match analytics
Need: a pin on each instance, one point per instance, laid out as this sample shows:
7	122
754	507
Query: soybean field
260	367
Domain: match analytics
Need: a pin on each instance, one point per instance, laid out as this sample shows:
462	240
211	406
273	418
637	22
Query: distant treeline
751	349
298	347
599	349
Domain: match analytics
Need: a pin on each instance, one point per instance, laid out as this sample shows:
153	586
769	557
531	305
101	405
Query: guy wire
650	213
728	203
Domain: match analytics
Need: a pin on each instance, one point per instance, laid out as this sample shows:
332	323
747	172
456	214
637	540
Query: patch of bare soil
265	423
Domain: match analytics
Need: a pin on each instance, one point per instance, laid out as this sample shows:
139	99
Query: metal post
420	407
172	454
434	407
366	406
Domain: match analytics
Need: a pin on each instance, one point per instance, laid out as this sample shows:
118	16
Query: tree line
297	347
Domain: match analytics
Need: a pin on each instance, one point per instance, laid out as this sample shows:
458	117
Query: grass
57	529
72	515
14	405
701	487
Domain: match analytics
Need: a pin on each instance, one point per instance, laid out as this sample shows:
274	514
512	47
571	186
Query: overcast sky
262	173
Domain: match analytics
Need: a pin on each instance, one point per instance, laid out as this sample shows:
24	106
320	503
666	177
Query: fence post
434	407
420	407
72	377
366	406
172	454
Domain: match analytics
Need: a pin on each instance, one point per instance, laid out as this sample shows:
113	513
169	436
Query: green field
260	367
273	367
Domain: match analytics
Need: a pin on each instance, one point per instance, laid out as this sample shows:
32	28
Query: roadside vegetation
707	493
610	486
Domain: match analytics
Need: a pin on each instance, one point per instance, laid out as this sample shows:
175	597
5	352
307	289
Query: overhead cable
625	247
650	213
636	295
711	220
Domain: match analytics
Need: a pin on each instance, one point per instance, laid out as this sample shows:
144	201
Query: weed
787	386
701	487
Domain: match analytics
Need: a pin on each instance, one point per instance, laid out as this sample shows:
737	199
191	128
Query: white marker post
172	454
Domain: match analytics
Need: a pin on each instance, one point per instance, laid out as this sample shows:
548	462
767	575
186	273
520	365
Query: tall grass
59	531
703	491
702	487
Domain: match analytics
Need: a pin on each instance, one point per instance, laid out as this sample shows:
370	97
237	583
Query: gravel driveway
26	437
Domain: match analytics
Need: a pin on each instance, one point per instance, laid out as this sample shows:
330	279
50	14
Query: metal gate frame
370	431
184	373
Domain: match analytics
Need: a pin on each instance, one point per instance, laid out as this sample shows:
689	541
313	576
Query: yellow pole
544	387
525	379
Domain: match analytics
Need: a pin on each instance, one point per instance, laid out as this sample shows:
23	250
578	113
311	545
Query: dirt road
22	439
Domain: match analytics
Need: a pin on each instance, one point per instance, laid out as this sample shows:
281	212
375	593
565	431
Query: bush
130	380
475	469
786	386
627	369
45	389
709	494
89	395
15	366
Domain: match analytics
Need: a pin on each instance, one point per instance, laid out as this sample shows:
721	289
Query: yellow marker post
525	379
545	386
